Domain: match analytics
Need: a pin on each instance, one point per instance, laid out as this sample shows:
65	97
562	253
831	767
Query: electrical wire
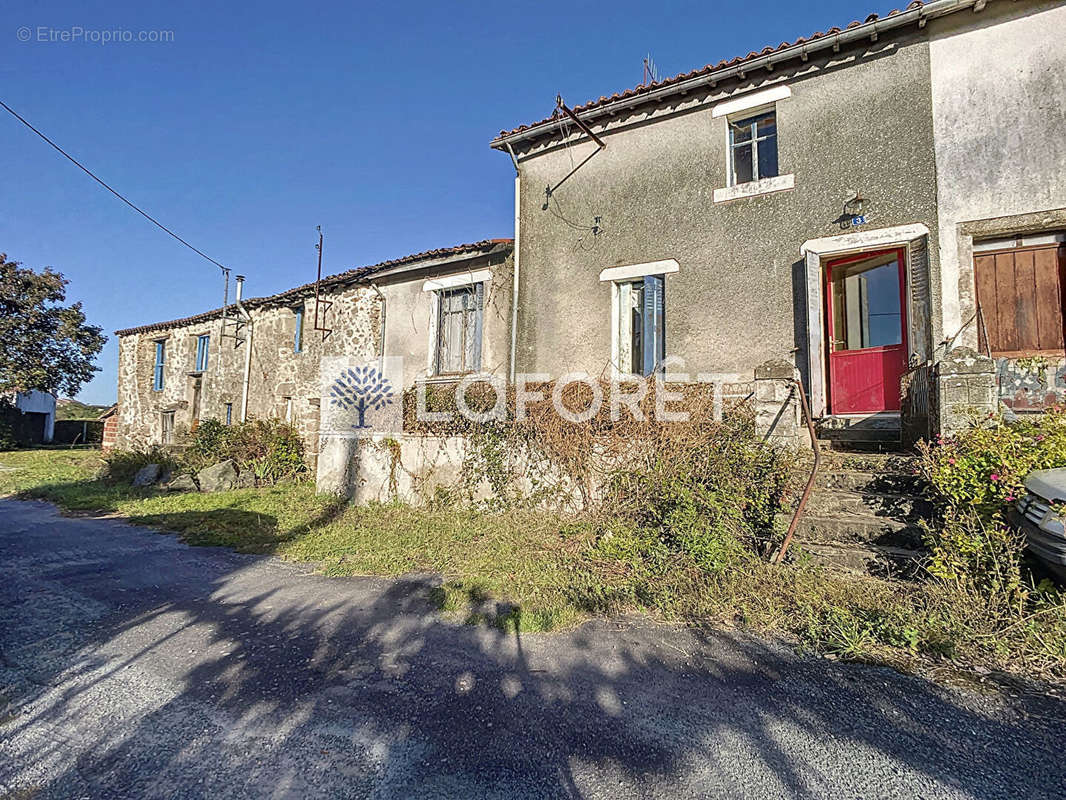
86	170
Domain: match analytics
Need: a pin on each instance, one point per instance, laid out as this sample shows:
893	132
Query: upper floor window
202	344
753	147
459	324
298	333
160	361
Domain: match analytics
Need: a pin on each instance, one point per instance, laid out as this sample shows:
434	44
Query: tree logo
362	389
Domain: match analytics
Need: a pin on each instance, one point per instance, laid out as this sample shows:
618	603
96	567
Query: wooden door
867	326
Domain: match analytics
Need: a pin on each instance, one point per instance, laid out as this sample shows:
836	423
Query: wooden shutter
474	364
1020	300
654	324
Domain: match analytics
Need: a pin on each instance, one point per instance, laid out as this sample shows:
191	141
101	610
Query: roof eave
364	275
938	8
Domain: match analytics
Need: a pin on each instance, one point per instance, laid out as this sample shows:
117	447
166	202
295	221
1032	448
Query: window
641	334
1020	300
298	334
167	427
229	414
287	401
866	302
459	323
160	360
753	148
202	344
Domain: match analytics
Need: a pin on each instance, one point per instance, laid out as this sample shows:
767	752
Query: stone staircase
863	514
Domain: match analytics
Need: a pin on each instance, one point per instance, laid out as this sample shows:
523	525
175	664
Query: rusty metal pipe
581	124
810	481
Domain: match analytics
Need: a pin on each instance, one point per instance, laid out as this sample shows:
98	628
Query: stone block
965	361
219	477
147	475
336	465
182	483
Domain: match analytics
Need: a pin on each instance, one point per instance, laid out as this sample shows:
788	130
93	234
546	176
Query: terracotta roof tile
604	100
354	275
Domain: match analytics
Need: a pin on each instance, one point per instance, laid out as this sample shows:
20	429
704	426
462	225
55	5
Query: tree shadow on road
206	673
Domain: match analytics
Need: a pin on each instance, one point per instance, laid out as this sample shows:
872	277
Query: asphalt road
135	666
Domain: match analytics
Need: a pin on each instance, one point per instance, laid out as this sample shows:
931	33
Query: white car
1041	515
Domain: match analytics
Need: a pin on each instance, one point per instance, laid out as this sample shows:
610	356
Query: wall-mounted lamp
856	206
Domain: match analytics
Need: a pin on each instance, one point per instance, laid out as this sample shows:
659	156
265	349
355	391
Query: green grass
538	571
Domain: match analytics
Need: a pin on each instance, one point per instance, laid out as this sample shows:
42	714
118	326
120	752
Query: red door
867	323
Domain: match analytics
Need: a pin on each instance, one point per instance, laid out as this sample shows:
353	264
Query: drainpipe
243	312
381	338
514	287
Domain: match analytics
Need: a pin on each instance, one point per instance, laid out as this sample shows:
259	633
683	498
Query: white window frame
752	144
751	105
433	287
621	280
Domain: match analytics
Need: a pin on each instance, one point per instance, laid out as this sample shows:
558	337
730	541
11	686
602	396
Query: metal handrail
810	480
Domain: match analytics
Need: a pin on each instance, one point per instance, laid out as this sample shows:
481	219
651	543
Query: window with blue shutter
229	413
202	345
160	360
298	334
653	325
641	343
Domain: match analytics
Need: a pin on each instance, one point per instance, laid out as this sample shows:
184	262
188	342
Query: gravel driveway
135	666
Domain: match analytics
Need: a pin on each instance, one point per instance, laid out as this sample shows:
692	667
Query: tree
362	388
46	345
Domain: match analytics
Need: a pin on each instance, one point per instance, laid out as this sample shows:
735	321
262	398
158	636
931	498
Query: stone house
878	209
823	202
263	360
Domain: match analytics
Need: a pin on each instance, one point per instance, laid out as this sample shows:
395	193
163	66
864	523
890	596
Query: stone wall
997	80
283	383
286	384
966	393
1031	384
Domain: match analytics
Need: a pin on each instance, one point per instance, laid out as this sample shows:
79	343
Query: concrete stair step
874	439
892	462
855	529
884	562
867	482
899	507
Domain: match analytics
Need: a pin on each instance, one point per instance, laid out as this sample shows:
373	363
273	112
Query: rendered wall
853	123
999	121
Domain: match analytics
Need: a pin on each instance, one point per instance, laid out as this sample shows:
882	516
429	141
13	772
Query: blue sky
254	125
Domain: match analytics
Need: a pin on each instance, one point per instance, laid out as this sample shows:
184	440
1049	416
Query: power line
86	170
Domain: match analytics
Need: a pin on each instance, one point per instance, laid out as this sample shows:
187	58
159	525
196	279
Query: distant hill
72	409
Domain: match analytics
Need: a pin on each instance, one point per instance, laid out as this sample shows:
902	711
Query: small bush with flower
975	476
984	468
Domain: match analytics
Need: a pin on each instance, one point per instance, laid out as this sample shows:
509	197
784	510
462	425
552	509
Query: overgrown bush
713	496
703	486
975	476
986	596
123	465
984	467
271	449
978	555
